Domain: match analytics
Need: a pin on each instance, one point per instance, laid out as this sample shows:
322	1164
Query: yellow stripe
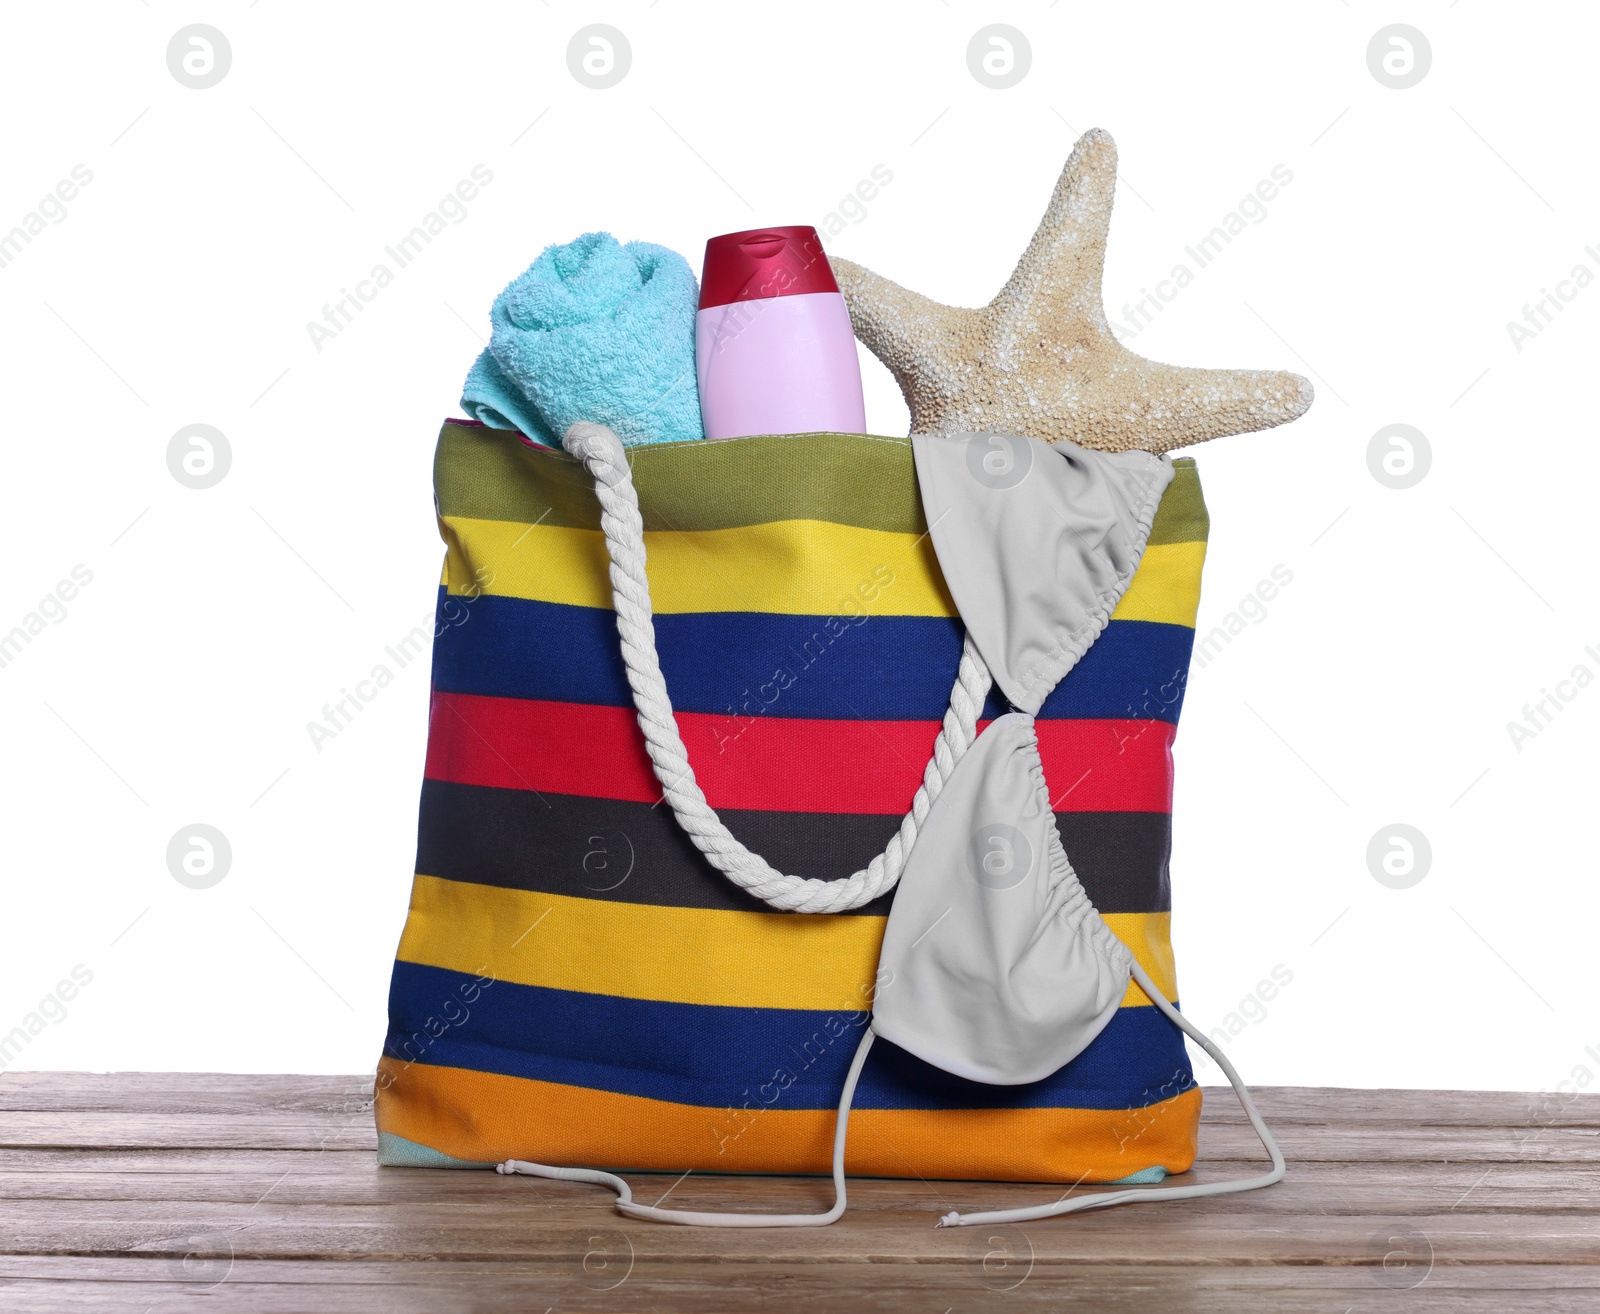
799	567
1149	936
795	567
1166	587
681	955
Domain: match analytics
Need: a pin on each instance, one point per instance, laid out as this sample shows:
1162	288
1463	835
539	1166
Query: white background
1376	690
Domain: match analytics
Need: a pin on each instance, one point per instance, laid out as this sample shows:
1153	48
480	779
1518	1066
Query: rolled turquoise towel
491	398
593	330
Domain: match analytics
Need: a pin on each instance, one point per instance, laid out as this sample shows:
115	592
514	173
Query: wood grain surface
212	1192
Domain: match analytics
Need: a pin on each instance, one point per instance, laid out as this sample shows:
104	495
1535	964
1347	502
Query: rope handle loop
605	458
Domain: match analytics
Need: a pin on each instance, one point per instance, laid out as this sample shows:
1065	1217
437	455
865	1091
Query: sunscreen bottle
774	350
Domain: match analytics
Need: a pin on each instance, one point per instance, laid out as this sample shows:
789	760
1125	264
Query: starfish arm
1058	277
923	342
892	320
1041	359
1143	404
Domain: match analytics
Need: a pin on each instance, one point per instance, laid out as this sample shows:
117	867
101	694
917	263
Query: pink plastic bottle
773	346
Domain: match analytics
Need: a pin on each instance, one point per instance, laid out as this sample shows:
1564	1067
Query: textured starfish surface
1040	359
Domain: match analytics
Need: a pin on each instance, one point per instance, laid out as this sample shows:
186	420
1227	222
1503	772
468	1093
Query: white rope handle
602	453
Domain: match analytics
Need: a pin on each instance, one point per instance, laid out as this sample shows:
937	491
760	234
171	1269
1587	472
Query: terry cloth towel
491	398
593	330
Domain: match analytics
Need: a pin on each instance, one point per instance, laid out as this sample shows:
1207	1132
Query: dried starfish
1040	359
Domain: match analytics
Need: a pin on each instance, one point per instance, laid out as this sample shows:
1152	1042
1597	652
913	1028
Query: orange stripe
483	1117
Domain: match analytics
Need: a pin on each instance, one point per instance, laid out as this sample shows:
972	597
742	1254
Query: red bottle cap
764	262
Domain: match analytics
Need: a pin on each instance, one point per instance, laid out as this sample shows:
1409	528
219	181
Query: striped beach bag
578	985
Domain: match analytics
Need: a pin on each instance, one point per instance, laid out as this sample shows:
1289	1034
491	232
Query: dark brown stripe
637	853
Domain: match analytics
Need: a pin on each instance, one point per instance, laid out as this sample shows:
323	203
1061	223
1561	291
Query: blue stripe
720	1057
879	668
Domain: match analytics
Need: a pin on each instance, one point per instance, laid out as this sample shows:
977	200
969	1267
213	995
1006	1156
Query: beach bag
578	985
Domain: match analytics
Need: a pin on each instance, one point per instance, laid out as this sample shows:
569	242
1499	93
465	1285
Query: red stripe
773	764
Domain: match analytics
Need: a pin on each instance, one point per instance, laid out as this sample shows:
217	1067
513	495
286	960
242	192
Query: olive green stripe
488	474
844	479
1181	517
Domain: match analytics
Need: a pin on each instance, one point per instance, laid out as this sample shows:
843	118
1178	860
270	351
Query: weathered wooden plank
1377	1143
542	1229
182	1160
109	1129
1395	1108
220	1093
296	1177
1218	1140
979	1285
182	1093
261	1193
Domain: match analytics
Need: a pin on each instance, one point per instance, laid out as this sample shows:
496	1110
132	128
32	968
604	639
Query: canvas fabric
575	985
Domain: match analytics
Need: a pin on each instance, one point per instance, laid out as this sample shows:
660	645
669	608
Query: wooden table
205	1192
